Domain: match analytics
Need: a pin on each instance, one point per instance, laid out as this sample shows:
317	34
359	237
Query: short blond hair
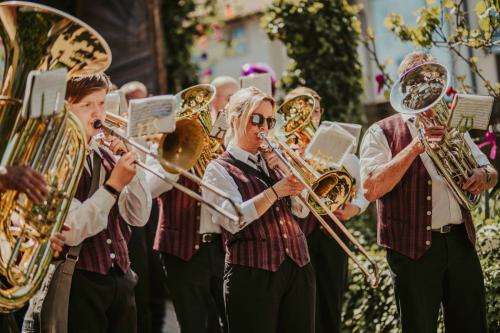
240	107
302	91
413	59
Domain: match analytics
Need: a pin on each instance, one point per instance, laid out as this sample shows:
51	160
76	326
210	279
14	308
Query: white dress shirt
217	175
375	152
88	218
352	165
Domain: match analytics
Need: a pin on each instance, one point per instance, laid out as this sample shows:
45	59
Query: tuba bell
296	130
423	88
193	123
40	38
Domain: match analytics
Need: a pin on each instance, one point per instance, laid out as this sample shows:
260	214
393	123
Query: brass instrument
195	107
423	88
114	123
37	37
296	166
335	187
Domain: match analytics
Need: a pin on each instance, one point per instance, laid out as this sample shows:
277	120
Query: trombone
373	277
117	121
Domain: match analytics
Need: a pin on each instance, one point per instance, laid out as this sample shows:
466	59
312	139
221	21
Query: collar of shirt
244	156
92	146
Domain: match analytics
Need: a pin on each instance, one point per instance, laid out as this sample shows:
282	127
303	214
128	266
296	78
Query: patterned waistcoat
405	213
109	247
179	222
267	241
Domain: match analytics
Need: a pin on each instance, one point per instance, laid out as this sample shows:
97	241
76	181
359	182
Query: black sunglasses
258	120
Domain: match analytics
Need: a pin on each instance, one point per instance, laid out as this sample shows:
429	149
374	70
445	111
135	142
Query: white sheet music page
329	146
47	93
151	115
220	126
353	129
112	103
471	112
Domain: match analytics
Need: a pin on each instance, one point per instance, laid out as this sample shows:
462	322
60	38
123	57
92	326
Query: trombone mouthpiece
97	124
261	135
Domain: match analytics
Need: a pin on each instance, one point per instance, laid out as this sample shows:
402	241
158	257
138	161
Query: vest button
286	250
429	182
112	256
281	222
428	228
429	197
429	212
109	241
196	247
198	204
427	243
284	236
277	209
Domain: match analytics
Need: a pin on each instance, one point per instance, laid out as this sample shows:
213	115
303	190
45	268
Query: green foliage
374	310
321	39
184	21
445	24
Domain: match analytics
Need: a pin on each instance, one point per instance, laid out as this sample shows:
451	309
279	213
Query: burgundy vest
404	222
267	241
179	222
109	247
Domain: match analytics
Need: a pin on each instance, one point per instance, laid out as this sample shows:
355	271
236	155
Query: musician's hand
476	184
434	134
116	145
346	213
24	179
273	162
417	145
124	171
57	241
288	186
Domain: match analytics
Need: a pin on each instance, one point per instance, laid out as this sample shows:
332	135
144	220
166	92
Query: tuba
193	123
423	88
40	38
335	187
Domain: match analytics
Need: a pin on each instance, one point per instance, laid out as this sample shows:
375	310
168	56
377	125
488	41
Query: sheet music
112	103
45	93
329	145
220	126
353	129
471	112
261	81
151	115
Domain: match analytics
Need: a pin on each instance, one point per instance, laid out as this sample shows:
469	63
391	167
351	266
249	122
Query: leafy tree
321	39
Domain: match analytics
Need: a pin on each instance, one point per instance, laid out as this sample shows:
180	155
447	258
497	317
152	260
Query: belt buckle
445	229
206	238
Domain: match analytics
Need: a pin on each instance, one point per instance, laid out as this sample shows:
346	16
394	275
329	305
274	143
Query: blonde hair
413	59
239	109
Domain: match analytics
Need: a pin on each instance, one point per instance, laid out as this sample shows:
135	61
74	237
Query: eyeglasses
258	120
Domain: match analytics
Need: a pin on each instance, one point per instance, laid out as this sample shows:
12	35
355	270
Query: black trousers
269	302
330	265
448	274
151	289
196	289
102	303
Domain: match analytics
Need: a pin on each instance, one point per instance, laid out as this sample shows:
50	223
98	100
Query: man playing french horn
429	236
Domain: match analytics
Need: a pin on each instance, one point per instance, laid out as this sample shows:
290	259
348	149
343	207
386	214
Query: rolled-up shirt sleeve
374	151
88	218
352	165
134	203
216	175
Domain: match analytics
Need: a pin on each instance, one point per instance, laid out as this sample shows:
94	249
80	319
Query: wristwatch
114	192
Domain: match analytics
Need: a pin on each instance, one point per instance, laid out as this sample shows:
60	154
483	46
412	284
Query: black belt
209	238
448	228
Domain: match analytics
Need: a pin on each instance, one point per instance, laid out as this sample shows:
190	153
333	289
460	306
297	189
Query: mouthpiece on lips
97	124
261	135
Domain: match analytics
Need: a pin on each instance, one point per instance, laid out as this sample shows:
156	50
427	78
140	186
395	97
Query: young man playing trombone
269	283
111	195
429	236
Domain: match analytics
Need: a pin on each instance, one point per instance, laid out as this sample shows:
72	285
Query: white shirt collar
243	155
408	117
94	146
